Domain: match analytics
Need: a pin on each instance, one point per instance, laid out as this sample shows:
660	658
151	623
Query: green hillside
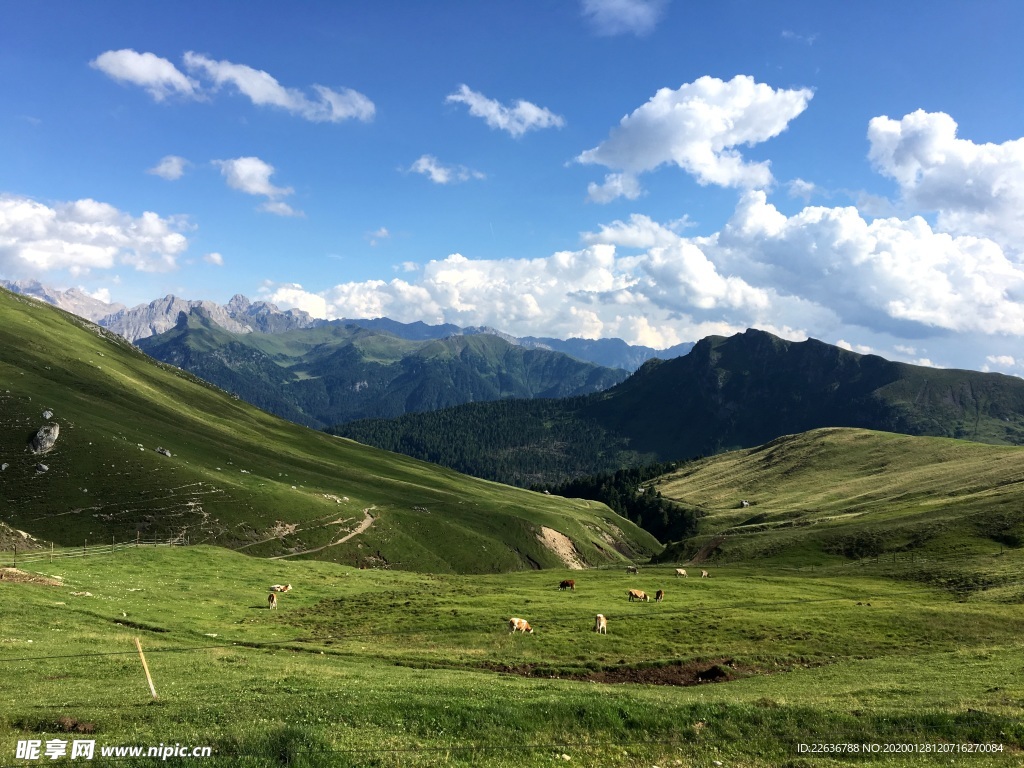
239	477
339	372
727	393
835	495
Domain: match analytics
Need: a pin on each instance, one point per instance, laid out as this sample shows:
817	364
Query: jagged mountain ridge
337	372
241	315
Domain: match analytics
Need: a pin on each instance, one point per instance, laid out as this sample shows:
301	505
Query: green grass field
382	668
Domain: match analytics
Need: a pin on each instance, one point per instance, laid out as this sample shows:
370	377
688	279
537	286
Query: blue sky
652	170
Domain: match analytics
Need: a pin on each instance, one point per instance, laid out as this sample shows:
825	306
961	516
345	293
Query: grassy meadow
388	668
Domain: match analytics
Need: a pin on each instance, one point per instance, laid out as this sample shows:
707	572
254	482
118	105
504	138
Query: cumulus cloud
656	298
618	17
887	274
515	120
615	185
161	79
214	258
698	126
438	173
170	167
157	75
262	89
976	189
84	235
378	235
252	176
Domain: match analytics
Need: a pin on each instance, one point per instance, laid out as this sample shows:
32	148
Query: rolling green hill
842	494
237	476
727	393
339	372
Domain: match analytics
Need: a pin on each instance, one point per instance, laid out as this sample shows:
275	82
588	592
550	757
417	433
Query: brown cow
280	587
659	595
519	625
601	624
568	584
636	594
272	601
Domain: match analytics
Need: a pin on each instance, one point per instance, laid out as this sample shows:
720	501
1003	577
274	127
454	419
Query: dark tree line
644	505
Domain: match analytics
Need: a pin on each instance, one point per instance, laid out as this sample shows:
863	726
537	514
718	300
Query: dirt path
367	522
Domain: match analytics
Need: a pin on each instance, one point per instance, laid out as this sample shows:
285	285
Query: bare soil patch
16	576
690	673
562	546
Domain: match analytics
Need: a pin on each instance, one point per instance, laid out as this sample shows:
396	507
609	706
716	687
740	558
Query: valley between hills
864	585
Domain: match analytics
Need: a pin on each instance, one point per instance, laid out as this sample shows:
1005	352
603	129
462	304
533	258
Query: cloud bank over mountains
952	263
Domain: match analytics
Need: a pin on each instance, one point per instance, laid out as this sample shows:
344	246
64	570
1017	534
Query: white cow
680	572
280	587
705	575
519	625
601	624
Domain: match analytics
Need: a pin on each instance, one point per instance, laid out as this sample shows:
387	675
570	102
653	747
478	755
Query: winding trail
367	522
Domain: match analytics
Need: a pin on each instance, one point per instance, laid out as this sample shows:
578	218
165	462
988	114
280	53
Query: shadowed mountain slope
234	475
727	393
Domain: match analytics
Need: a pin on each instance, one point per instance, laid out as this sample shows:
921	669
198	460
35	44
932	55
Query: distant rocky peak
239	304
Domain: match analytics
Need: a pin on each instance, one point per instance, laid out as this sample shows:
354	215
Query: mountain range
240	315
727	393
335	372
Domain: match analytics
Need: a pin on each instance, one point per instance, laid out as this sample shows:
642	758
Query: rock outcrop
44	440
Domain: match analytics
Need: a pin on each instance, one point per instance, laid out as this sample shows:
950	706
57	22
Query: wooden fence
16	558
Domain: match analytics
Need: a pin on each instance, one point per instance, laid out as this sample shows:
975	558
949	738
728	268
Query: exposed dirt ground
562	546
692	673
16	576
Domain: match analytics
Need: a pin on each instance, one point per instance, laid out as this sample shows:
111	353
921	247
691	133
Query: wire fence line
12	558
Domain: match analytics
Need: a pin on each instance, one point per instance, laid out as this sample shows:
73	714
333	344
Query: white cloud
264	90
976	189
84	235
888	274
698	127
438	173
660	296
157	75
170	167
516	120
615	185
802	189
640	232
378	236
617	17
1003	361
280	208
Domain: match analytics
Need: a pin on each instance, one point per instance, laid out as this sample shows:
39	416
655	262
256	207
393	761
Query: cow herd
601	622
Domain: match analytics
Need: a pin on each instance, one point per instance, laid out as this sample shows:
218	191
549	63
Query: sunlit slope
240	477
855	493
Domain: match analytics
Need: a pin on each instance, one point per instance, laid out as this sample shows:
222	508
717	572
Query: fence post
86	544
15	555
51	551
111	545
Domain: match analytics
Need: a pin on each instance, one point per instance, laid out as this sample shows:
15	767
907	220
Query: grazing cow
272	601
281	588
519	625
601	624
636	594
568	584
744	503
632	569
659	595
680	572
705	575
